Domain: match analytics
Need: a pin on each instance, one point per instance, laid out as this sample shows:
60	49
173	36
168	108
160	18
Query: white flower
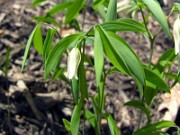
176	34
74	59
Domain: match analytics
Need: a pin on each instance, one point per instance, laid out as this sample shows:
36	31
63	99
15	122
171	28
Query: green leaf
125	24
178	132
148	130
112	55
91	118
59	7
156	80
112	125
101	96
166	58
74	9
117	51
36	2
82	79
176	7
96	3
150	92
37	40
28	45
101	11
48	42
7	61
111	14
75	119
47	20
56	53
66	124
157	12
75	90
98	57
139	105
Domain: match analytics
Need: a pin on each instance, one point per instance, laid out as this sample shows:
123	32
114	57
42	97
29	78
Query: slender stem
84	17
84	115
151	53
139	120
150	59
144	20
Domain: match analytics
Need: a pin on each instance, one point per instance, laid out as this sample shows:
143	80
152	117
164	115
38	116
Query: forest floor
31	105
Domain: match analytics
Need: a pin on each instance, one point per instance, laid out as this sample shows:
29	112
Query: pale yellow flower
176	34
74	59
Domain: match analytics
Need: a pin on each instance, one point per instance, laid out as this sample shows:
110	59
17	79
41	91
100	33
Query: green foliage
47	20
98	57
7	61
28	45
158	14
59	7
111	14
121	50
112	125
154	128
75	119
125	24
176	7
73	10
37	40
56	52
47	46
140	105
36	2
106	43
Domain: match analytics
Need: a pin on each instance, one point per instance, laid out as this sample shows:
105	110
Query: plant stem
139	120
150	59
151	53
84	117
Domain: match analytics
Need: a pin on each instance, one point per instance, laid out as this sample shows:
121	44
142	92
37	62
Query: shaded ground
29	105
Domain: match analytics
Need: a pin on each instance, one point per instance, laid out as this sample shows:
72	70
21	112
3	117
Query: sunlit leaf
47	46
75	119
117	51
36	2
96	3
28	45
156	80
91	118
155	8
98	57
112	125
47	20
67	124
150	92
151	128
125	24
167	57
37	40
176	7
111	14
74	9
59	7
101	11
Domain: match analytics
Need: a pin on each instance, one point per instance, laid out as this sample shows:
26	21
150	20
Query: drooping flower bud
176	34
74	59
